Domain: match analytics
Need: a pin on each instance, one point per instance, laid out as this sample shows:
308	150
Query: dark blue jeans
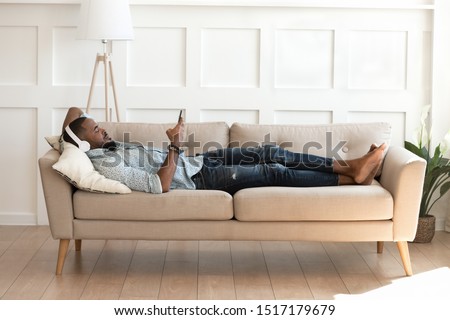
233	169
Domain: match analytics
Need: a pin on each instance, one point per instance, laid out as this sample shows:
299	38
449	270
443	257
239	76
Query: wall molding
372	4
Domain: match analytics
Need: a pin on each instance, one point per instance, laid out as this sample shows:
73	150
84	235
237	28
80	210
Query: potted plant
437	176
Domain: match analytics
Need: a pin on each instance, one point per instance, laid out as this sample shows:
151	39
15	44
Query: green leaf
444	162
437	152
444	188
438	171
435	161
414	149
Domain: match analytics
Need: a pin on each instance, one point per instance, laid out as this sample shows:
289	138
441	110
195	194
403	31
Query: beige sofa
384	211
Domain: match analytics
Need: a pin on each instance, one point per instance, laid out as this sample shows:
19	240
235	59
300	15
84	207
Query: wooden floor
203	269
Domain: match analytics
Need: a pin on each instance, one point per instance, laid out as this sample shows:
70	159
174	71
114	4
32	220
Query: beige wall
256	61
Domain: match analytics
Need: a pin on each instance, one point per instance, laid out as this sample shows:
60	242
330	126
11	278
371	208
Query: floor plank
251	277
443	237
84	261
109	274
436	252
144	275
77	270
286	275
11	233
179	280
66	287
320	272
8	234
419	262
11	265
324	281
32	282
16	258
352	268
31	239
37	275
383	265
215	271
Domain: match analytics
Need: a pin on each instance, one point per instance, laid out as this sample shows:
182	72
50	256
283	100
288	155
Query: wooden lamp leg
98	59
404	254
106	63
62	252
114	90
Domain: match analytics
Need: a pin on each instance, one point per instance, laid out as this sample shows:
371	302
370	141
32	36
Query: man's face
95	135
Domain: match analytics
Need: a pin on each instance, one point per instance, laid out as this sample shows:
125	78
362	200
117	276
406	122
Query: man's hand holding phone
176	134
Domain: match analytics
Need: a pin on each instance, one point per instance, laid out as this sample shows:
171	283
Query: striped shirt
136	166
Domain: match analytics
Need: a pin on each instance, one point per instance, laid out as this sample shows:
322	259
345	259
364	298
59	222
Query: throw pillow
76	167
54	142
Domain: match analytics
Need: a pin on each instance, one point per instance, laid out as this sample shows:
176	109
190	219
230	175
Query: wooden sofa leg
77	245
62	252
380	246
404	254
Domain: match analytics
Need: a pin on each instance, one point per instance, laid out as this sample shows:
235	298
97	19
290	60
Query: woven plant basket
425	229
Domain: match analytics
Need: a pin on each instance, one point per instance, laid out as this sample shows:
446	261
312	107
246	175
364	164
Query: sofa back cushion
200	137
345	141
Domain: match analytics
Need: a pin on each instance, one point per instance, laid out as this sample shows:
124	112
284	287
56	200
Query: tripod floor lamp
105	20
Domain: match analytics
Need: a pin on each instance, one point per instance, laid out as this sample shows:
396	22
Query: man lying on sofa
229	169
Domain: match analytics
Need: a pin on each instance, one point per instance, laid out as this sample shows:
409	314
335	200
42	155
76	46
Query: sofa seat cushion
140	206
342	203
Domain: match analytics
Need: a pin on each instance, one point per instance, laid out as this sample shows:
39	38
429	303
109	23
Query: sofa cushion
141	206
342	203
199	137
344	140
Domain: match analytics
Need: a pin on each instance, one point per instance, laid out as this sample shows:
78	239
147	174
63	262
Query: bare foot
372	175
378	173
363	169
367	166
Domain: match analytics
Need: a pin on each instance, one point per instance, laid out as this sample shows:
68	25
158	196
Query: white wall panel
18	165
302	117
73	59
396	119
18	55
230	116
157	57
59	114
304	59
230	58
377	60
153	115
426	80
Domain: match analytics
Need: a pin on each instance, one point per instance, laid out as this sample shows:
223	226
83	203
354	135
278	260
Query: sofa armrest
58	197
403	175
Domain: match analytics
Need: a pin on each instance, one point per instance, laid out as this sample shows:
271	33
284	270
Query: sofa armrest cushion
58	197
403	175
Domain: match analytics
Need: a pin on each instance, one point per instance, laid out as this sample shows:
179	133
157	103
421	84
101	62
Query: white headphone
82	144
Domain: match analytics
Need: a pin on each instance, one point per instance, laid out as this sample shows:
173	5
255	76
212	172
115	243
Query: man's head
86	129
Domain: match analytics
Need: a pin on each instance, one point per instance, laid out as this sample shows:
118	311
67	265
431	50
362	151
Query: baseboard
18	219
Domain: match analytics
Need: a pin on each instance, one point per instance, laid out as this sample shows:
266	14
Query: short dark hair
76	127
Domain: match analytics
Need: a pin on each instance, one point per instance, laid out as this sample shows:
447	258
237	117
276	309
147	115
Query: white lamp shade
105	20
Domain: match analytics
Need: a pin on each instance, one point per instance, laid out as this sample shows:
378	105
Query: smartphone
179	116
